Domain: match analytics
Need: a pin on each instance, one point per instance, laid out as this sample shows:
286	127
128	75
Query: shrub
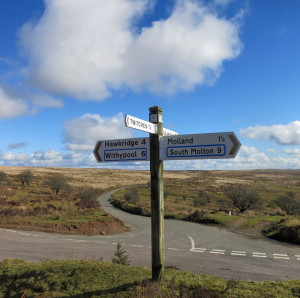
243	199
88	197
288	203
203	199
132	196
26	177
57	183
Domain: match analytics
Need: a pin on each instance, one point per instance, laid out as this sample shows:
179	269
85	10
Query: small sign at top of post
146	126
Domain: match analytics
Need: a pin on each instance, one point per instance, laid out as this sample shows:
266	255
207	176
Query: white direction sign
135	149
140	124
199	146
146	126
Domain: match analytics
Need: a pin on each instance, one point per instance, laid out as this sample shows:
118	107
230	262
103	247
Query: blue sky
70	70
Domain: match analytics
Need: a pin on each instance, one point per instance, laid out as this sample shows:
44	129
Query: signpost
163	144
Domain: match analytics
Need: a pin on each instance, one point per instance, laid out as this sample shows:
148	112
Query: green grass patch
99	279
284	230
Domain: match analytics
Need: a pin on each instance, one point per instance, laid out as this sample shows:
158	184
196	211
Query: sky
70	70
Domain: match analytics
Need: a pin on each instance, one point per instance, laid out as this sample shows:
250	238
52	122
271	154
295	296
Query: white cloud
247	158
42	100
11	106
295	152
82	133
87	48
20	101
41	158
282	134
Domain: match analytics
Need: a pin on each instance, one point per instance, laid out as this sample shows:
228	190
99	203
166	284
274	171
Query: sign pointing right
200	146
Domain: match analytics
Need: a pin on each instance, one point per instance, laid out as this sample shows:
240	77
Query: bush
132	196
199	216
288	203
88	197
26	177
283	231
57	183
203	199
243	199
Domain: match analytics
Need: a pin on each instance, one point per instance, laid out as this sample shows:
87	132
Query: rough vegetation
255	202
49	203
97	279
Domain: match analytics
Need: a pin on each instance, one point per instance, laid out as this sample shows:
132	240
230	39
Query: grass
287	229
99	279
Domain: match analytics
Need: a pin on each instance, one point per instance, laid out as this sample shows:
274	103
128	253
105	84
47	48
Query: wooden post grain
157	198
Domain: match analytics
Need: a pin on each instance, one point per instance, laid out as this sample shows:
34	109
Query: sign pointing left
96	151
136	149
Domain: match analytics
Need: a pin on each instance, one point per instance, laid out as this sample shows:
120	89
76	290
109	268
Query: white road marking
173	248
217	251
259	254
199	249
281	256
136	245
193	243
238	253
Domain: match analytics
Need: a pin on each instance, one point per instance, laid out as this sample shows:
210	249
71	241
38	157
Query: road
188	246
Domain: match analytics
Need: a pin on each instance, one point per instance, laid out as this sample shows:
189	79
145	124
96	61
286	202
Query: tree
243	199
288	203
57	183
120	256
26	177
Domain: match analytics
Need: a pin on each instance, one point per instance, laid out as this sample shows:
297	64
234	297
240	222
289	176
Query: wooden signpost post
163	144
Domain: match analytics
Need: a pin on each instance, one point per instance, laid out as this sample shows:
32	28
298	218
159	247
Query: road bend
188	246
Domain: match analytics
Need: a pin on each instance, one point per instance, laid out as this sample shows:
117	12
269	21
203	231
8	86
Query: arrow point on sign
96	151
235	143
126	120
